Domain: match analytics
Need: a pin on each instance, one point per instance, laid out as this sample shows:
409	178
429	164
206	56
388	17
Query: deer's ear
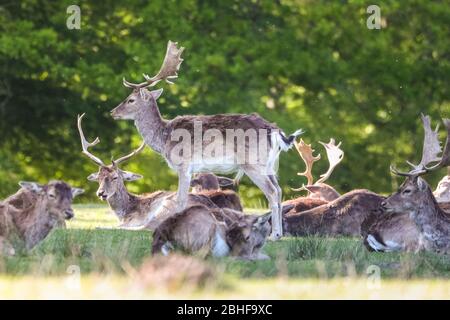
93	177
31	186
156	93
77	192
130	176
194	182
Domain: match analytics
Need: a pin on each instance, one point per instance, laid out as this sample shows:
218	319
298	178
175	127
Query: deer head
209	181
415	193
319	189
247	235
56	196
141	97
109	177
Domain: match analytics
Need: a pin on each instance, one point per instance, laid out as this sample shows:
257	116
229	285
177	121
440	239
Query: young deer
416	199
319	193
133	211
211	186
32	212
203	147
216	232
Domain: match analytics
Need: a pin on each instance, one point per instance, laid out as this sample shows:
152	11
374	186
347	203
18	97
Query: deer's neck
432	221
122	202
151	126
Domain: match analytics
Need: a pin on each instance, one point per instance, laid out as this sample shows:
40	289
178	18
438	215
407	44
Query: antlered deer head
110	177
141	98
415	194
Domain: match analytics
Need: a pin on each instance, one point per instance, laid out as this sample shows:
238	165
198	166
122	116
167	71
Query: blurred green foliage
302	64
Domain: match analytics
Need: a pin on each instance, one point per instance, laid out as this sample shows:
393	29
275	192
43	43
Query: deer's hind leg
269	186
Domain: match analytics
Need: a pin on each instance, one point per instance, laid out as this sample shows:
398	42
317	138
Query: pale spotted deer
30	214
204	135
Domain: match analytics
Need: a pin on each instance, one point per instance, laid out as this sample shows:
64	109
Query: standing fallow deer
209	143
415	197
213	231
30	214
211	186
133	211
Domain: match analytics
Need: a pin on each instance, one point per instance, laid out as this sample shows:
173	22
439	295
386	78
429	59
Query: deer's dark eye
51	196
114	179
131	101
407	191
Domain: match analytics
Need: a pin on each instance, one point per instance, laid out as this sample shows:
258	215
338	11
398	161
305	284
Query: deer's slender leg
274	181
264	182
184	183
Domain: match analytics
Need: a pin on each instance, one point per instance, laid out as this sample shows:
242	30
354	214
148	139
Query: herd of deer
209	219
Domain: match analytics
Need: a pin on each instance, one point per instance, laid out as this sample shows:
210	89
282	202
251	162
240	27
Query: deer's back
342	216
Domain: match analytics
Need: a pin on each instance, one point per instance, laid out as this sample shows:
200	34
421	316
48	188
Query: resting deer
318	192
133	211
216	232
211	186
442	192
202	147
32	212
343	216
416	199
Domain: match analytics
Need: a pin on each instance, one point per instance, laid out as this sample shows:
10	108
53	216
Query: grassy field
85	261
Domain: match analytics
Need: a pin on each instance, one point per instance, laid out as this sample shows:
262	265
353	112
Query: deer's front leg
184	183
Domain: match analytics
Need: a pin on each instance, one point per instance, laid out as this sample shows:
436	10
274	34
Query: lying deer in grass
343	216
216	232
133	211
32	212
213	187
318	192
416	199
206	148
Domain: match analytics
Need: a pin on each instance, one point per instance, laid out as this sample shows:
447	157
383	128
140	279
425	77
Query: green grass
335	264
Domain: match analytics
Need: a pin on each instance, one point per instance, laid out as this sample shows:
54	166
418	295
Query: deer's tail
286	143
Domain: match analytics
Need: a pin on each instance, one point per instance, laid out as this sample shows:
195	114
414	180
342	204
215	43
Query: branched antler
306	153
85	145
430	151
335	156
169	68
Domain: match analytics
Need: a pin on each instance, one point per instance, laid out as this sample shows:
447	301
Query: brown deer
192	144
211	186
133	211
319	193
415	197
442	192
343	216
216	232
32	212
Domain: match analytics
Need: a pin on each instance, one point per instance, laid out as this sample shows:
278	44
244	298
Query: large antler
85	145
306	153
169	68
335	156
430	151
128	156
